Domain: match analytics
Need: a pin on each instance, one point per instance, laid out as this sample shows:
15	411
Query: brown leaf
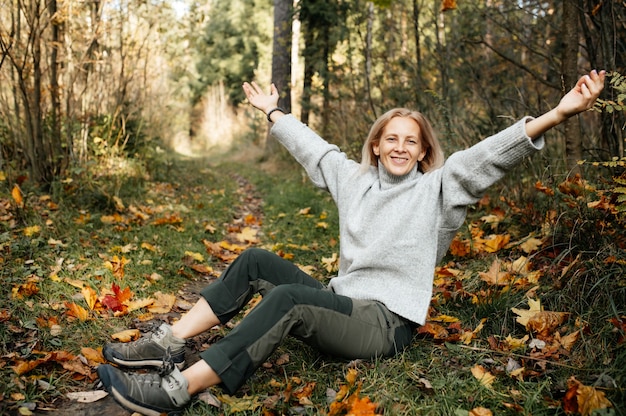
583	399
495	276
545	322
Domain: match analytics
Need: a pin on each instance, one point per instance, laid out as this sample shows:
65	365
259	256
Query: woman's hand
259	99
582	96
579	99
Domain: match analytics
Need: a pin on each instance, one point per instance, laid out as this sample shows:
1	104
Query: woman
399	210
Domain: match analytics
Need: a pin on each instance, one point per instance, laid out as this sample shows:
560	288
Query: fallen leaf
76	311
481	374
163	303
87	396
480	411
90	296
17	195
127	335
331	264
248	235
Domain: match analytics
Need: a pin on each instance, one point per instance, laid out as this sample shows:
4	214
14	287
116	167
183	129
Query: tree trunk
573	136
281	61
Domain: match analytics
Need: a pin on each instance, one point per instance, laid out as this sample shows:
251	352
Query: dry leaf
17	195
127	335
248	235
495	276
481	374
87	396
76	311
480	411
163	303
90	296
331	264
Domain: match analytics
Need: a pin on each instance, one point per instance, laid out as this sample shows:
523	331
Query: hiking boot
147	350
151	394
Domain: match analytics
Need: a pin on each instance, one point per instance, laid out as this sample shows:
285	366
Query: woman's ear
376	149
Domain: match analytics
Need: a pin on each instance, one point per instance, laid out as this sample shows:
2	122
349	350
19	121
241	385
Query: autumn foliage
504	260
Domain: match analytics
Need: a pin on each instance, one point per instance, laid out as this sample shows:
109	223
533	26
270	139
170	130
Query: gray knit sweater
395	229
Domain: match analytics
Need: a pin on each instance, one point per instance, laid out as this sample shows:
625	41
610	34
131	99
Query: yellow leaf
524	315
93	355
3	176
163	303
74	282
444	318
516	343
149	246
305	211
90	296
30	231
196	256
248	235
481	374
590	399
138	304
480	411
351	376
331	264
531	245
127	335
322	224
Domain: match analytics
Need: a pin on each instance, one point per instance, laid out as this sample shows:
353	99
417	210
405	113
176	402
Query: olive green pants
295	304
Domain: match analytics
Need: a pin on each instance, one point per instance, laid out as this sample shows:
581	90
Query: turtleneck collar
387	180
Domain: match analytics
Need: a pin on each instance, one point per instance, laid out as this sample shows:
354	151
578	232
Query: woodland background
126	150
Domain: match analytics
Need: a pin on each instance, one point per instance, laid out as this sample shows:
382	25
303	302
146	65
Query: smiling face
400	147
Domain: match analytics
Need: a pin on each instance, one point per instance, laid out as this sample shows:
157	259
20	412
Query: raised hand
259	99
583	95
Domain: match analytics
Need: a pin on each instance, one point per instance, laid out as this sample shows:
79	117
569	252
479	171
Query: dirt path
249	204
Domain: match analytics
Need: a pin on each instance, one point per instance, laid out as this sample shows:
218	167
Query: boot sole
142	363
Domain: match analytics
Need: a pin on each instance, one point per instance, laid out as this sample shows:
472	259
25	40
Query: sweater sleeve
468	173
323	162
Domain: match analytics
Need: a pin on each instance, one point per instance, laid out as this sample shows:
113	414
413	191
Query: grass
432	377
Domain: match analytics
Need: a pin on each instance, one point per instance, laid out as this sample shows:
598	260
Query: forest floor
518	324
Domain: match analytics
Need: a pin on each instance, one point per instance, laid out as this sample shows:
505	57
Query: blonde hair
433	158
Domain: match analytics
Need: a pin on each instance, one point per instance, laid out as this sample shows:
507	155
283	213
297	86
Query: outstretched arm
263	101
580	98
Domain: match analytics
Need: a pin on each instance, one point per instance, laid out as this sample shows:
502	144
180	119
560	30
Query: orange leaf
76	311
17	195
448	5
92	355
362	407
127	335
25	290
